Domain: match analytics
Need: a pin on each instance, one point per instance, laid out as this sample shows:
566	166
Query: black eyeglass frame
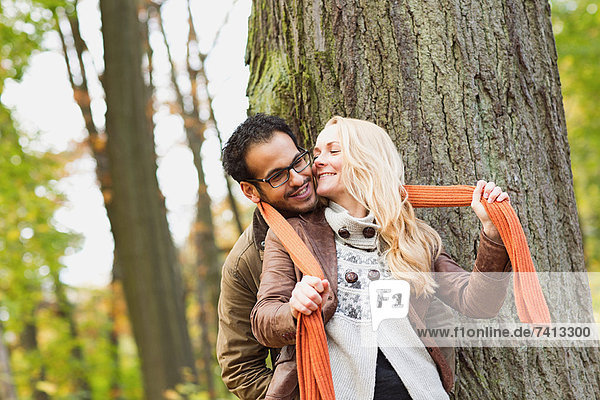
286	169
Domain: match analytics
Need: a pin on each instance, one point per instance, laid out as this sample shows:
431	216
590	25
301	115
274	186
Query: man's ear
250	191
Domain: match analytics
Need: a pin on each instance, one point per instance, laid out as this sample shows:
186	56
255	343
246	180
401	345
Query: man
263	155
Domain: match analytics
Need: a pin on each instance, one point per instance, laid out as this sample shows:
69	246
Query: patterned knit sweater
351	341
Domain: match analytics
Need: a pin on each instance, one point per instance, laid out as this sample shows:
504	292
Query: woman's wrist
491	232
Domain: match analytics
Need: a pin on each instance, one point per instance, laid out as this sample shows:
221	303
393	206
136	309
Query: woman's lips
326	174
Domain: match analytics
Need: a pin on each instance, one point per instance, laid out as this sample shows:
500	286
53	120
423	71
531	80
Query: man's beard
283	206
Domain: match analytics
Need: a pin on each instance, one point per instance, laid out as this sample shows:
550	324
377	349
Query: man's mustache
295	189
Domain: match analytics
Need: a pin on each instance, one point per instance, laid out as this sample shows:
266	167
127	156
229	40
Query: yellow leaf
170	394
47	387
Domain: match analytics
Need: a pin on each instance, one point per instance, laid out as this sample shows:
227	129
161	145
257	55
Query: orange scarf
314	369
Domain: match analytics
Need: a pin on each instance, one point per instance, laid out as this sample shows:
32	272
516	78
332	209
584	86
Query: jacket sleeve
272	321
481	293
241	357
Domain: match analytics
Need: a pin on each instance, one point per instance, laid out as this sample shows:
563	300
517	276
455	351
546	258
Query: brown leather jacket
473	294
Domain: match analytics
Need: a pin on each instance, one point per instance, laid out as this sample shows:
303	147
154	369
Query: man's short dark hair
254	130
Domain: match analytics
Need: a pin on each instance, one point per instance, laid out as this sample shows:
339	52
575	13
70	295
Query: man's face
295	196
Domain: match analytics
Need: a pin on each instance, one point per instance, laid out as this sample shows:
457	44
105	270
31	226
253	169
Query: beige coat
241	357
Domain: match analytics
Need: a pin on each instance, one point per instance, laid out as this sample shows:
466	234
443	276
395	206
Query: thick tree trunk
149	268
467	90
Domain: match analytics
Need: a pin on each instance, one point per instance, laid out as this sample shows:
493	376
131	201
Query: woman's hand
308	295
492	193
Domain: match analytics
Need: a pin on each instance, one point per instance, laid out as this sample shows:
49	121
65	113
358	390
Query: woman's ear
250	191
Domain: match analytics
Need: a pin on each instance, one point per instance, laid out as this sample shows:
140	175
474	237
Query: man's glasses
282	175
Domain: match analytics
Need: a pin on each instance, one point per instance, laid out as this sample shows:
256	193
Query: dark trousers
388	385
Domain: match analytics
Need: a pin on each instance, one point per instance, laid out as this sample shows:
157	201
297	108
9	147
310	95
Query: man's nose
296	179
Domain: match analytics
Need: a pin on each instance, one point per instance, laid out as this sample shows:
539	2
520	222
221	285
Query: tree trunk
38	375
203	231
7	385
66	311
115	376
149	268
467	90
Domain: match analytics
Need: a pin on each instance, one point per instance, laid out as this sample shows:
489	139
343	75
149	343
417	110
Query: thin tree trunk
38	373
231	198
207	262
116	391
66	312
96	138
7	386
198	77
151	275
467	90
97	144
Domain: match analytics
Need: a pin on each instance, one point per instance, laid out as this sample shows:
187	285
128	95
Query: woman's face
327	166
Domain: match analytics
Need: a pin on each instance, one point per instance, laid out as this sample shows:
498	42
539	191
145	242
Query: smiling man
263	155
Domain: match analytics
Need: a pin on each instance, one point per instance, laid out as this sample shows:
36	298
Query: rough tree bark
467	90
149	268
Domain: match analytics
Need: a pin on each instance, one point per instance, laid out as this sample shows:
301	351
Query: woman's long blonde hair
373	174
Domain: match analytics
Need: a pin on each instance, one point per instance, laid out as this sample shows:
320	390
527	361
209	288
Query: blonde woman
368	231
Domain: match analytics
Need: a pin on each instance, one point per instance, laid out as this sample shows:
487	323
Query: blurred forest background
62	340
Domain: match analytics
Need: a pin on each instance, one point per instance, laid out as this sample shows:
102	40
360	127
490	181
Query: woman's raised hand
492	193
308	295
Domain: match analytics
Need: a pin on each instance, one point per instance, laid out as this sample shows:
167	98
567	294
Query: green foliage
577	32
31	244
22	27
31	248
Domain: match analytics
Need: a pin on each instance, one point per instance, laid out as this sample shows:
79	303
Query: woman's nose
320	161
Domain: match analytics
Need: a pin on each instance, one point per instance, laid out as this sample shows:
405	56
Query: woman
368	231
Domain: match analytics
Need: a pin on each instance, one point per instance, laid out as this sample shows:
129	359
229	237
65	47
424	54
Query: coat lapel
322	241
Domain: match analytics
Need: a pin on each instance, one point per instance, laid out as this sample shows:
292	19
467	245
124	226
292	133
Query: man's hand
308	295
492	193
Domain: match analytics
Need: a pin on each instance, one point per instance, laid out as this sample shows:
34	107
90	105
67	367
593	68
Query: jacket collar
259	230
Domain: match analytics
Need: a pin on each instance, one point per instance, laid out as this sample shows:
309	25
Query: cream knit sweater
351	341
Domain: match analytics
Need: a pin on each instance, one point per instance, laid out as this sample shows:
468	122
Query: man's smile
303	192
